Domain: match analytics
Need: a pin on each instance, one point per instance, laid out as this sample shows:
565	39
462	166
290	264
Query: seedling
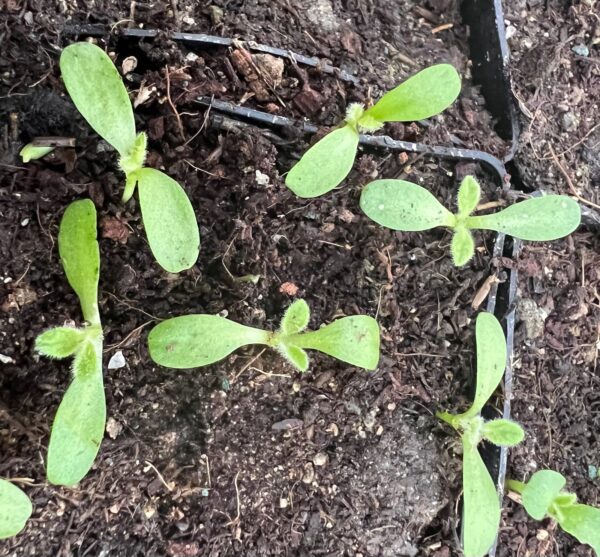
32	152
402	205
78	427
325	165
97	91
198	340
481	516
543	496
15	509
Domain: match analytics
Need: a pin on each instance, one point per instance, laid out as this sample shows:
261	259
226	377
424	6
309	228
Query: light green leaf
354	340
402	205
15	509
137	155
504	433
481	504
537	219
78	428
583	522
325	165
295	319
423	95
169	220
97	90
59	342
296	356
31	152
198	340
462	247
80	255
491	359
88	359
540	492
469	194
565	499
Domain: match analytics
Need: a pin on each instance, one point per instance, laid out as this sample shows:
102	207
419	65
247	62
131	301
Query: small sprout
402	205
198	340
542	496
15	509
481	501
32	152
95	86
78	426
325	165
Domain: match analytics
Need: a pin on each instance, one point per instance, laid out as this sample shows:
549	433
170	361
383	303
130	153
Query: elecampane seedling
15	509
325	165
405	206
543	496
96	88
198	340
481	516
78	427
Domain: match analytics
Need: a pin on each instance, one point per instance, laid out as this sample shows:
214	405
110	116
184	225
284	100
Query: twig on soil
286	375
160	476
442	27
126	339
236	520
569	181
245	367
179	124
130	306
577	144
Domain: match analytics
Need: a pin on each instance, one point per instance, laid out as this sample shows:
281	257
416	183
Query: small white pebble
117	361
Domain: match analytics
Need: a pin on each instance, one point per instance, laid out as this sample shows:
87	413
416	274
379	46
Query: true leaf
97	90
80	255
169	220
491	359
295	319
15	509
536	219
325	165
423	95
540	491
354	340
462	247
402	205
469	194
296	356
78	429
59	342
583	522
481	504
197	340
504	433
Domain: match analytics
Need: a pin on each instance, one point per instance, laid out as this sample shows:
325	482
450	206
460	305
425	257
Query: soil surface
245	457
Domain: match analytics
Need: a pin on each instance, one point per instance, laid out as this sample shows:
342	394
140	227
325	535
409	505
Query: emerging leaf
88	359
583	522
325	165
31	152
96	88
469	194
77	430
80	255
462	247
354	340
296	356
59	342
423	95
295	319
536	219
540	491
198	340
137	155
491	359
169	220
402	205
504	433
15	509
481	504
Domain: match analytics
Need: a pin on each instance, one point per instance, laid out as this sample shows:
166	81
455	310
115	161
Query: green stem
515	485
129	190
450	419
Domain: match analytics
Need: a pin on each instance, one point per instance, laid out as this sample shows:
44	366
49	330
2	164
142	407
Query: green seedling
97	91
325	165
543	496
481	516
405	206
198	340
32	152
78	427
15	509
